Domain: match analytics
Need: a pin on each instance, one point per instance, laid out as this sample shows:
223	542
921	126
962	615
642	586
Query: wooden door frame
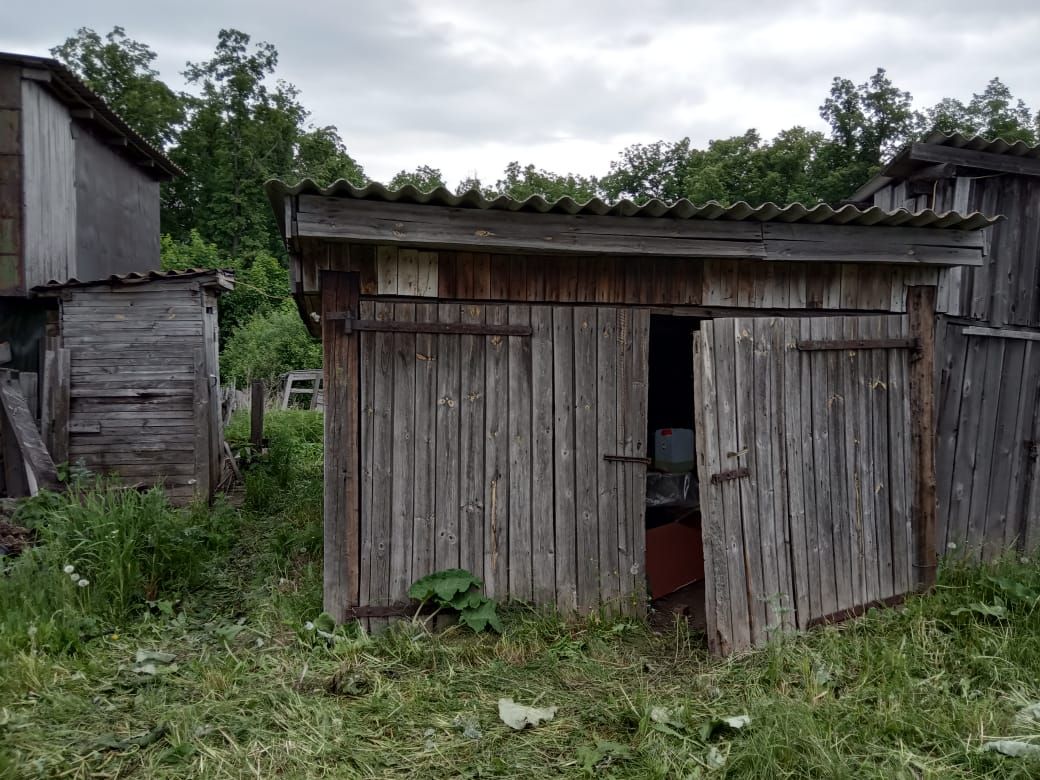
340	292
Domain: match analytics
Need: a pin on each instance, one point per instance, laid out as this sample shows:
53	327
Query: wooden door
488	452
804	457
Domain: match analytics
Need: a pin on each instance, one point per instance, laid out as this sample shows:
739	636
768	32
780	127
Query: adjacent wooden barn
988	342
131	380
496	371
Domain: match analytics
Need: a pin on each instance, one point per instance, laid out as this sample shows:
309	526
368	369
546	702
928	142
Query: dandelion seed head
83	583
69	568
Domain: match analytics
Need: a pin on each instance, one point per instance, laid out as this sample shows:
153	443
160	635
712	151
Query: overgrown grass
913	692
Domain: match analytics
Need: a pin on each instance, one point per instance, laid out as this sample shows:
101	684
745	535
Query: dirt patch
14	539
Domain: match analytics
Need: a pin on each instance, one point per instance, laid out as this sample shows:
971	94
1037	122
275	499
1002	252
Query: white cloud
468	85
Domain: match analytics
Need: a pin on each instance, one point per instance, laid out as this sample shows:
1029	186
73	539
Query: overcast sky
468	85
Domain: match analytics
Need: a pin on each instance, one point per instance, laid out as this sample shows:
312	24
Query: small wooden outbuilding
988	338
495	371
131	380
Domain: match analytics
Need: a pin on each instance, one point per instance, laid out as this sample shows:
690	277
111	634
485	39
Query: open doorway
674	544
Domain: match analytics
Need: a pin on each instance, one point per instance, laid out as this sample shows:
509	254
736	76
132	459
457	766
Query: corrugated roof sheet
975	143
141	277
820	213
75	91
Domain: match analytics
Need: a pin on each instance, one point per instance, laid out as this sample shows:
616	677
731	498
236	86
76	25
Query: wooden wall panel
405	273
48	171
816	524
141	397
988	407
506	476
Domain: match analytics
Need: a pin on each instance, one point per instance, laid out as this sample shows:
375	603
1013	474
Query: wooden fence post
256	415
342	527
920	306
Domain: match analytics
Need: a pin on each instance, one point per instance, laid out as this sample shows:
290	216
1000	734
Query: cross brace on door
350	324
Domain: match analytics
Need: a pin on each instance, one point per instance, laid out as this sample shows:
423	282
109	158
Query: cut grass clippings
229	684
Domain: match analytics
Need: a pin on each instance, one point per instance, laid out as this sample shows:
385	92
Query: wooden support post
22	440
340	293
920	306
256	415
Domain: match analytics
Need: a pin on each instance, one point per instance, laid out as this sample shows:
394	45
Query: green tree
521	183
645	171
239	133
267	345
869	123
119	69
993	113
424	178
322	156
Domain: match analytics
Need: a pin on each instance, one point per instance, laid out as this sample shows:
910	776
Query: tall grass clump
103	552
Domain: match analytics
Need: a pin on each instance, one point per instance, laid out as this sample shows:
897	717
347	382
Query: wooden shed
495	373
79	194
131	380
988	338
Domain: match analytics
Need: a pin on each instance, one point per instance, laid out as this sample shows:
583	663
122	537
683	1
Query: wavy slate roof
222	277
896	167
68	88
821	213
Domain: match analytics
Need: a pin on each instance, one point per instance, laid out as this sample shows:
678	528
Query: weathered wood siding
1006	289
986	456
821	522
142	379
610	280
11	270
486	452
116	211
48	172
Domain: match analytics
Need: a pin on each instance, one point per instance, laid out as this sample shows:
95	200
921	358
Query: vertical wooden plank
362	258
953	353
408	272
368	361
342	416
424	494
607	444
403	445
878	389
520	424
716	580
386	270
1007	446
636	471
897	396
517	278
626	555
967	428
446	528
202	411
464	275
835	409
723	333
585	466
759	547
1024	454
499	278
788	546
795	433
481	276
606	269
921	311
381	519
537	270
496	459
564	465
446	266
588	273
60	410
471	456
984	447
256	414
568	290
426	275
763	410
852	484
866	327
542	447
815	407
